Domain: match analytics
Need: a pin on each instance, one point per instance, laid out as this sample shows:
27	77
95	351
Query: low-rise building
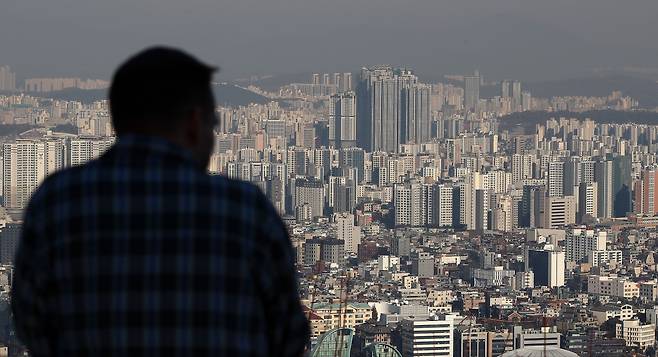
636	334
607	312
613	286
335	315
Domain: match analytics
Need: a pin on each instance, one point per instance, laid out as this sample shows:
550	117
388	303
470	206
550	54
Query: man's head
165	92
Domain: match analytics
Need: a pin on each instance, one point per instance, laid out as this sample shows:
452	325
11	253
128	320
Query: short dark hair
155	87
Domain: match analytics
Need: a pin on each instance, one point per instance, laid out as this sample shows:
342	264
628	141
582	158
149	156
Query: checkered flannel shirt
142	253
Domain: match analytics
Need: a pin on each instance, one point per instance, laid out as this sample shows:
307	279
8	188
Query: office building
423	336
545	337
548	266
532	205
622	186
559	211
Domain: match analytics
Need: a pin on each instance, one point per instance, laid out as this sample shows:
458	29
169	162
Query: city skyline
456	178
415	206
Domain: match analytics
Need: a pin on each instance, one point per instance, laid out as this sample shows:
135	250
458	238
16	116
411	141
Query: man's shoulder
242	191
232	184
62	180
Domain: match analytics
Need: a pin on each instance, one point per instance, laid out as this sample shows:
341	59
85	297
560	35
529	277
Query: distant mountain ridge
525	122
225	95
645	90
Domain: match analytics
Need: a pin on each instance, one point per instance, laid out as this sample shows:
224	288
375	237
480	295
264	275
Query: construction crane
342	318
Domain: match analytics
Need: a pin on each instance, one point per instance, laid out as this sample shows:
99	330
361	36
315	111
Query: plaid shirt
142	253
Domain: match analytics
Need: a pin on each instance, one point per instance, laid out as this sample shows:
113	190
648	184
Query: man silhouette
141	252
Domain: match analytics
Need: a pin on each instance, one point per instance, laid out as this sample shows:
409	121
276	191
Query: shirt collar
154	144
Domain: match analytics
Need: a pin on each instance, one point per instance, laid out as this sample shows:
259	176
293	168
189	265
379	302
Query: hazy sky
527	39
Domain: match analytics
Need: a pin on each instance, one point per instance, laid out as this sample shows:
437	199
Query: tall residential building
481	210
464	201
472	93
83	150
309	192
581	242
416	114
521	167
348	232
346	84
342	120
408	200
571	176
587	169
516	95
25	164
502	216
336	80
7	79
444	205
603	173
353	158
426	336
526	101
393	109
646	193
504	89
556	179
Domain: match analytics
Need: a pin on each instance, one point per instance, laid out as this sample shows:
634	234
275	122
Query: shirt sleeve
288	330
29	291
